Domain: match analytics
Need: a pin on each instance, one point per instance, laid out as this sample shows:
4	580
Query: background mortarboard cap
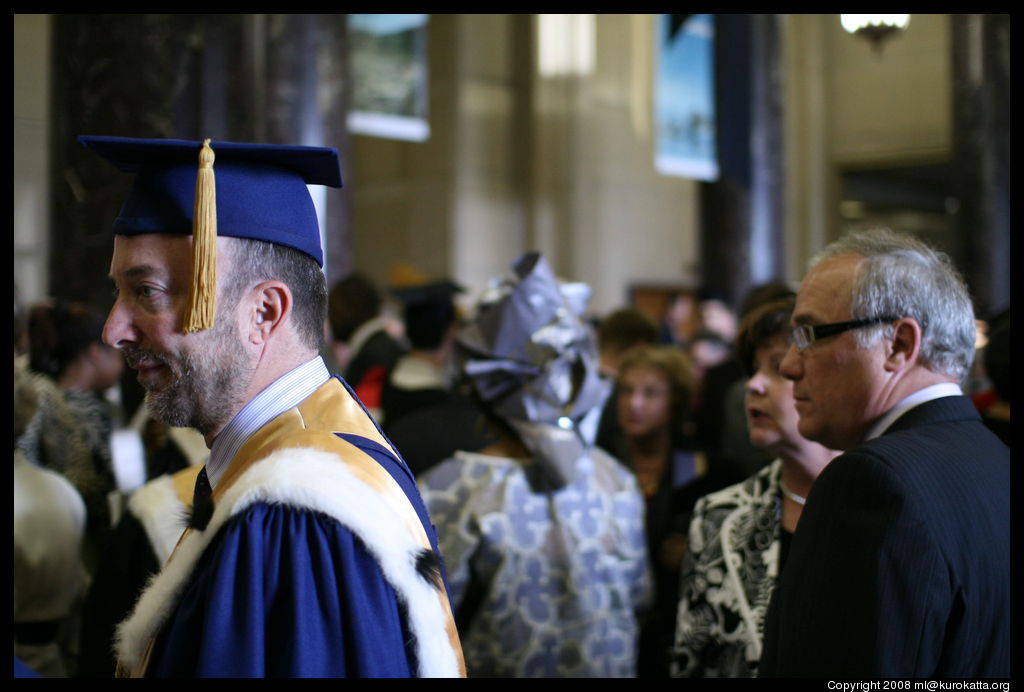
433	292
261	188
428	310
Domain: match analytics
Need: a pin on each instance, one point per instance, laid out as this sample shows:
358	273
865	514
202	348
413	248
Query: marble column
112	75
305	92
981	157
741	219
267	78
767	189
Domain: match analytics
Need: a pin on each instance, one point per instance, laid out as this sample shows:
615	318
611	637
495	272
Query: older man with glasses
900	566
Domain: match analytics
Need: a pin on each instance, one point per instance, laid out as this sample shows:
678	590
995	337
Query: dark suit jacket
379	350
900	566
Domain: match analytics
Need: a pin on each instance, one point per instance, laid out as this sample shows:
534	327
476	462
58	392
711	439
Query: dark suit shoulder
943	452
900	563
944	468
914	527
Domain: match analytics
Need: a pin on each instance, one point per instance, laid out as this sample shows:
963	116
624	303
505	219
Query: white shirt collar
284	393
935	391
367	329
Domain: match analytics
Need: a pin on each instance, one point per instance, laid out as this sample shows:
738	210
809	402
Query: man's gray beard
208	384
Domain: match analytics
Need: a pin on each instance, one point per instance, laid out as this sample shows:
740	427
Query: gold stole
312	425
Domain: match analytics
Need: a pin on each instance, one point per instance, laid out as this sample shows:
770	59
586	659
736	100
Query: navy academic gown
301	576
285	592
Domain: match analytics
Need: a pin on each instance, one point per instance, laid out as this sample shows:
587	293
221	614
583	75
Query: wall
892	107
850	107
517	161
490	152
630	224
564	164
31	154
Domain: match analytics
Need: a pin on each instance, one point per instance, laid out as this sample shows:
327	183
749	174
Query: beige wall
849	107
894	107
448	205
564	164
488	228
31	154
629	224
516	161
560	164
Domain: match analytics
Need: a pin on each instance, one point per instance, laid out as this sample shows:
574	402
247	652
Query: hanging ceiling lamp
876	28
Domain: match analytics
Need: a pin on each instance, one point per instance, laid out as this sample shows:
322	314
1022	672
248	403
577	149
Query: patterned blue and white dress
545	583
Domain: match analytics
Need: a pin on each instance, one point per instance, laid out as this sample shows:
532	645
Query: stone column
275	79
305	95
981	157
767	188
112	75
741	220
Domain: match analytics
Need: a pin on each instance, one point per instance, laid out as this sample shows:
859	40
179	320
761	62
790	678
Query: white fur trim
314	480
162	514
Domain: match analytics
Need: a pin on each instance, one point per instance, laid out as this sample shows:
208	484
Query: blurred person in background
427	411
680	319
654	388
542	533
739	536
617	333
620	331
422	376
996	357
366	342
49	520
66	346
722	422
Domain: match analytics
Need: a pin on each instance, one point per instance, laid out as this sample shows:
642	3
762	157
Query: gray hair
255	261
903	277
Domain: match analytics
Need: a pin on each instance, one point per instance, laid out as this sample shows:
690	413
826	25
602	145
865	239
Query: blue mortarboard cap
255	191
260	188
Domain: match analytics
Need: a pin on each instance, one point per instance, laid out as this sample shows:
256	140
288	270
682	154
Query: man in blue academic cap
309	551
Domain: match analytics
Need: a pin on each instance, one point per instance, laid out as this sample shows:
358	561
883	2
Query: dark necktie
202	502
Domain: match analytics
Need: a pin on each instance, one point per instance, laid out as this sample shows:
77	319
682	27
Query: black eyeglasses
806	334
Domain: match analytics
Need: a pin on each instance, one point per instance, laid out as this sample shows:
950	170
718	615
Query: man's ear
905	346
272	304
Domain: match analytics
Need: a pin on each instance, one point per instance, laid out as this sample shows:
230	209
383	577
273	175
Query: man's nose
791	366
117	330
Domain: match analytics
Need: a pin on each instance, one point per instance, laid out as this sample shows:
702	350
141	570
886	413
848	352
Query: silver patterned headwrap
534	362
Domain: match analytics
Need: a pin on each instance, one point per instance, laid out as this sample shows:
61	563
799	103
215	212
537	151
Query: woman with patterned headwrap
542	533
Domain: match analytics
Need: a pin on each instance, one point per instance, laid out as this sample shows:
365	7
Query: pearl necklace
800	500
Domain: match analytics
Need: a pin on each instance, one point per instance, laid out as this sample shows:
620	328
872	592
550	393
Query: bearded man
309	551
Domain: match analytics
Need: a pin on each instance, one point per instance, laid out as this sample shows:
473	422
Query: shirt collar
367	329
284	393
935	391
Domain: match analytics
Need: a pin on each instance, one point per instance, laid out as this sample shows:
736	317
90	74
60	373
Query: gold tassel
202	307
